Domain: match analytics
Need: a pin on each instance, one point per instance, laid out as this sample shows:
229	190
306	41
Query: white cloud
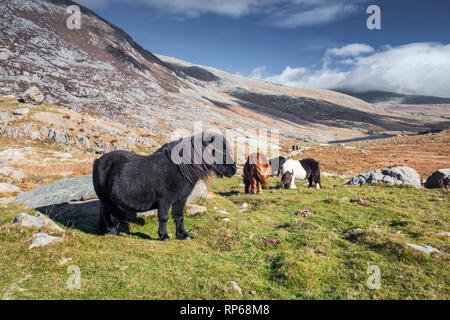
416	68
318	15
353	50
258	72
281	13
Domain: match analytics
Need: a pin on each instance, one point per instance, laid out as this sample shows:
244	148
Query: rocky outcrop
15	154
64	137
391	175
59	192
33	95
437	179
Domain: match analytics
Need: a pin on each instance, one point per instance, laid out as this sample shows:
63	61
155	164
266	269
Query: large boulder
59	192
33	95
391	175
79	189
434	181
200	191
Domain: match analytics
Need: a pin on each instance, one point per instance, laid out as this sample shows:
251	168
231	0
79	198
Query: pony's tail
317	176
262	174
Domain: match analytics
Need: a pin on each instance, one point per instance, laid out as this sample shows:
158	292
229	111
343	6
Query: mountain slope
100	70
392	97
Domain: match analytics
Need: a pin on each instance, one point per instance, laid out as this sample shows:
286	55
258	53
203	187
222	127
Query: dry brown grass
425	154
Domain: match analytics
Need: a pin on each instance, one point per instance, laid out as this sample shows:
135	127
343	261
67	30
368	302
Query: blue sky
292	41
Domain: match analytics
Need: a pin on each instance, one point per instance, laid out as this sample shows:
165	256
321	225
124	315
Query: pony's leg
317	180
163	216
106	225
259	187
253	186
247	186
178	216
310	180
293	186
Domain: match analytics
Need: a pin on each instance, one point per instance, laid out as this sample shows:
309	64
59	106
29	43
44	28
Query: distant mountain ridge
101	70
385	96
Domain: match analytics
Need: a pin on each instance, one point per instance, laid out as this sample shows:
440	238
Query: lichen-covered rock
59	192
391	175
43	239
39	221
434	181
33	95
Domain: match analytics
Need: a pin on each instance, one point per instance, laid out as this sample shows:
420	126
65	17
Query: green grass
320	257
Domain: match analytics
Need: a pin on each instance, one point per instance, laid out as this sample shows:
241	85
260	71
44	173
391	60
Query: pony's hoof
184	237
164	238
112	231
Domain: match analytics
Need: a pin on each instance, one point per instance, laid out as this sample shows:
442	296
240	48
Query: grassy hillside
324	256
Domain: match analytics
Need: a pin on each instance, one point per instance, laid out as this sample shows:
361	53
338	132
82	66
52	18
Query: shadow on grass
84	216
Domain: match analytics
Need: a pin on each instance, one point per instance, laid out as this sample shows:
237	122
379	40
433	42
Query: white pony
301	170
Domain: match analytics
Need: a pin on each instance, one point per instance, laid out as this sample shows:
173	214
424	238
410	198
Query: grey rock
9	171
59	192
200	191
65	155
222	211
59	136
21	111
6	187
443	233
15	154
433	181
244	205
43	239
39	221
194	209
5	117
33	95
82	141
391	175
424	248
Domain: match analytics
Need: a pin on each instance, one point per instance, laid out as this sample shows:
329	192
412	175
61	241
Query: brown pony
256	172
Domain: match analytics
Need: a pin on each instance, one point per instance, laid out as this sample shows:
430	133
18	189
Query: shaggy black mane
192	171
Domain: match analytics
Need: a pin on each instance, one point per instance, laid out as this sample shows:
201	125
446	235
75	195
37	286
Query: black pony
276	164
127	183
